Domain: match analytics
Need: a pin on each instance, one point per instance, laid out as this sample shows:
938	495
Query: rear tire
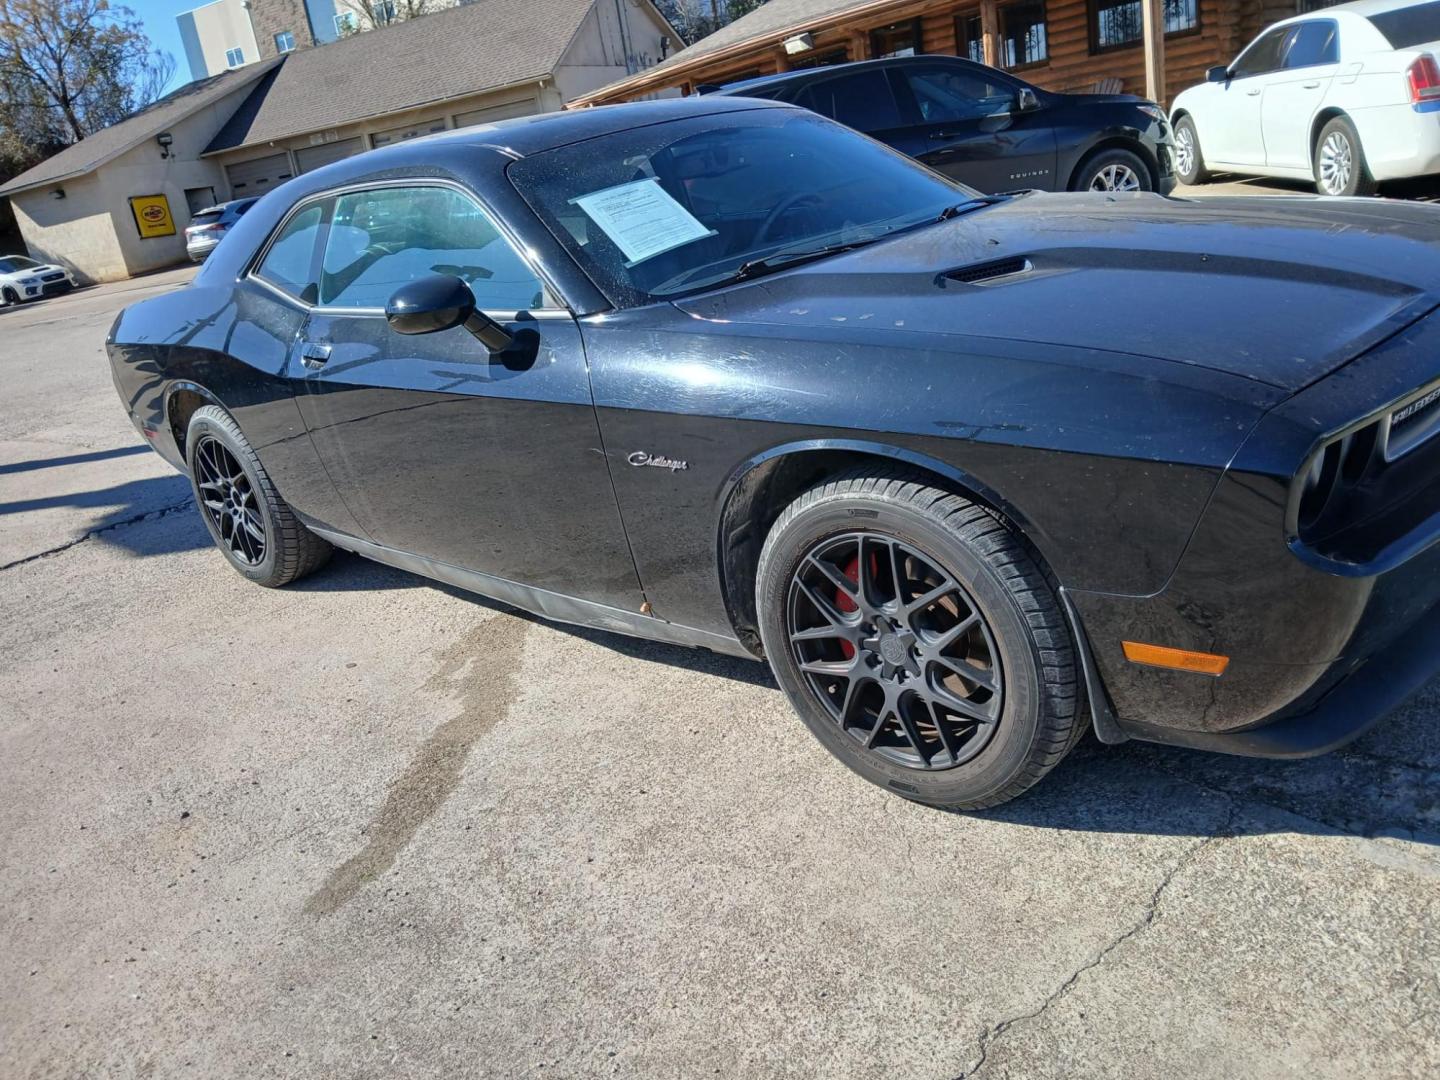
1113	170
253	527
1189	160
913	743
1339	161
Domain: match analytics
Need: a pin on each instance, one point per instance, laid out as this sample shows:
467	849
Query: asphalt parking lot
372	827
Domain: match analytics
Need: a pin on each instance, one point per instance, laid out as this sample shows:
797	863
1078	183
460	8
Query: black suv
985	128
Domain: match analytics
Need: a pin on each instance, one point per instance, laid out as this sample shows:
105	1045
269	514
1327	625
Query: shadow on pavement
126	504
72	459
1386	784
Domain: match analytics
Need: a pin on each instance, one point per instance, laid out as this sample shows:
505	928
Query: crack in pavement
148	515
1152	912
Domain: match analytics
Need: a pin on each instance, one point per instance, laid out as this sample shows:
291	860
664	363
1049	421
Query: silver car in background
208	226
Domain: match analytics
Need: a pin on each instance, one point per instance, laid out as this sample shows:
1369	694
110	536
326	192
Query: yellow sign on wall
152	216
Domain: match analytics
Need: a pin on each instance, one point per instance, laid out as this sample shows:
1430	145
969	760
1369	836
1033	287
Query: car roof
1363	8
527	135
747	86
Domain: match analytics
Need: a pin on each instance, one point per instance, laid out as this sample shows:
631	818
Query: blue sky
159	19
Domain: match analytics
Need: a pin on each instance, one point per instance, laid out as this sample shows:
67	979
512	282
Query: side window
863	101
944	95
289	264
379	239
1262	57
1313	43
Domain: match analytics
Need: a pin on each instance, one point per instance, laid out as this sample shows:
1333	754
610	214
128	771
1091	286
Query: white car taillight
1423	80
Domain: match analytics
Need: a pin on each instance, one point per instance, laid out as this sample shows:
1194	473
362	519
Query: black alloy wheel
896	650
229	501
253	527
919	638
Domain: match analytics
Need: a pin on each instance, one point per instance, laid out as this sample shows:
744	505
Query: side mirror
1027	100
441	302
1218	74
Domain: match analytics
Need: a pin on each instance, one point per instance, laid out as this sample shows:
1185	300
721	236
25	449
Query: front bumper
1319	649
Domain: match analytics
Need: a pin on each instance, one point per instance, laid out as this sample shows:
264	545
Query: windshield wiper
754	268
970	205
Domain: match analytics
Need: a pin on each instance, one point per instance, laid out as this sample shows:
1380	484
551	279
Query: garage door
248	178
523	107
312	157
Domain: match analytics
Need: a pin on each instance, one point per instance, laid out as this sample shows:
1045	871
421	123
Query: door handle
935	135
1310	85
1253	93
313	354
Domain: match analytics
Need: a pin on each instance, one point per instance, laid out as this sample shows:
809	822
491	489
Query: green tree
67	69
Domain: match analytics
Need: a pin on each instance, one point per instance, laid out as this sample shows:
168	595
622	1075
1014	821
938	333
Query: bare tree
373	14
71	67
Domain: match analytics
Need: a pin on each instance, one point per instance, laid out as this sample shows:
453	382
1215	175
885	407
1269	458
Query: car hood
48	268
1279	290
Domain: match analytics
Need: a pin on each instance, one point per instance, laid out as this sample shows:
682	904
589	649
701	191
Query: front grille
1412	424
59	275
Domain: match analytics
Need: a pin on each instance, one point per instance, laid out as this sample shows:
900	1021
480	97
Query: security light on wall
164	139
798	44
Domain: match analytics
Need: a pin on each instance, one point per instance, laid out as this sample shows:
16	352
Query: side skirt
550	605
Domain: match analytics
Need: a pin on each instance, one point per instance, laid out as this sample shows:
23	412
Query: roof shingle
482	45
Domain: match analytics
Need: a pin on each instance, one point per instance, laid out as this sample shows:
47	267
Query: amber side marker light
1203	663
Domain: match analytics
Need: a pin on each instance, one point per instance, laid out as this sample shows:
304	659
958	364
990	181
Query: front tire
1189	161
1339	161
918	639
253	527
10	296
1113	170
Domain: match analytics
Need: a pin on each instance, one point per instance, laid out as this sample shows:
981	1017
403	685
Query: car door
1310	59
967	123
492	463
1231	133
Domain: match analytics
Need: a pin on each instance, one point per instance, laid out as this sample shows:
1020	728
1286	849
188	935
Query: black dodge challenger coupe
973	473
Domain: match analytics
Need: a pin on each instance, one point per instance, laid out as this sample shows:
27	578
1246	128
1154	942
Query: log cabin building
1154	48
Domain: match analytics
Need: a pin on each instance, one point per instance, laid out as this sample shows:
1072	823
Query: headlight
1154	112
30	282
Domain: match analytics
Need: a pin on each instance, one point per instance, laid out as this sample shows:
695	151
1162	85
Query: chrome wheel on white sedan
1340	161
1337	163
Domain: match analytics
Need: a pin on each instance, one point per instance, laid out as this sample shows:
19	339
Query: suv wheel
918	639
1113	170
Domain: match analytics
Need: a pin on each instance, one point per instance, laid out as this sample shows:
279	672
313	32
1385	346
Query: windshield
1407	27
11	263
658	211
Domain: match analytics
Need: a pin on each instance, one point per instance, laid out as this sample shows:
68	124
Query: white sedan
1347	96
24	279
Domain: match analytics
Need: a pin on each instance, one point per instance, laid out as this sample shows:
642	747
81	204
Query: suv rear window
208	217
1407	27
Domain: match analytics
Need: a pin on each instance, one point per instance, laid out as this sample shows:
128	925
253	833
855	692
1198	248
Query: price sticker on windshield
642	219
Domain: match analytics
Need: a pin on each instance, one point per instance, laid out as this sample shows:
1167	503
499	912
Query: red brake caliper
844	603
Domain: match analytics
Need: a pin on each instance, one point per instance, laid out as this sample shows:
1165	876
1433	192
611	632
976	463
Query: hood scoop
980	273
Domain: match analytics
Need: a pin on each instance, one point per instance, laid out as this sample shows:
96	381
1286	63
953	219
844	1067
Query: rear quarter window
1405	28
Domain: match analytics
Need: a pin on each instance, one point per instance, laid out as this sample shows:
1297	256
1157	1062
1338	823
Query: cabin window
970	37
897	39
1022	34
1120	24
